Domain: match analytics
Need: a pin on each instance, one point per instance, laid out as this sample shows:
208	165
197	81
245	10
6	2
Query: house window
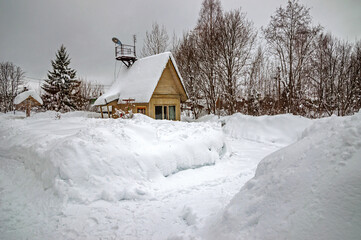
158	112
165	112
171	112
141	110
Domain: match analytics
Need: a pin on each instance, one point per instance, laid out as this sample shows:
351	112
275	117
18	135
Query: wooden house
26	100
151	85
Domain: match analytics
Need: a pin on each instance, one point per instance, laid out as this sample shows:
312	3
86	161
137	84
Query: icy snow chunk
189	216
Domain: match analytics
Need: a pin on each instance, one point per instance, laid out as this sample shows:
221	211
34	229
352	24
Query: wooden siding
133	107
164	100
177	81
167	92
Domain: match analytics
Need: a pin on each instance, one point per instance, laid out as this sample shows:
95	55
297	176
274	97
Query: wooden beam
101	111
28	107
108	111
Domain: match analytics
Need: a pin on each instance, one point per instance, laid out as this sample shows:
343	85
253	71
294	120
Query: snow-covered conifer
61	89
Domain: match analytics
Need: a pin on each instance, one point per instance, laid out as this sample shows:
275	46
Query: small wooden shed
27	100
152	86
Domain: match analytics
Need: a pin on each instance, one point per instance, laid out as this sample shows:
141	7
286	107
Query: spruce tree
61	89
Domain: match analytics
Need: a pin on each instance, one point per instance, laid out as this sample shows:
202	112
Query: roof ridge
155	55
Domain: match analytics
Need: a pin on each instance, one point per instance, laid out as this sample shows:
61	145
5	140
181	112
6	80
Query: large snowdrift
308	190
280	129
84	159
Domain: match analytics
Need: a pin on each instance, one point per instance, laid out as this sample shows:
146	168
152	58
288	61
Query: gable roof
139	80
25	95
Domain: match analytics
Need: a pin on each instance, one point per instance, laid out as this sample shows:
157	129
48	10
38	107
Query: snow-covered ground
80	177
308	190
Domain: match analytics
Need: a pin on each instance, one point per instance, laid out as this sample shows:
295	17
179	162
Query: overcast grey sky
32	31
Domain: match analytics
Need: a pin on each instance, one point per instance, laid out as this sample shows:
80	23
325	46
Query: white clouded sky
32	31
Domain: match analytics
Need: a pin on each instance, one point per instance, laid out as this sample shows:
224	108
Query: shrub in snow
122	114
57	116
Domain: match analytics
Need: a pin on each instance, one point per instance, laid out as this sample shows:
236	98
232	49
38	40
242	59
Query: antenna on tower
125	53
134	41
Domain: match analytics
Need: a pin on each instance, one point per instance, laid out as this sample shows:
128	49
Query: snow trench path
180	206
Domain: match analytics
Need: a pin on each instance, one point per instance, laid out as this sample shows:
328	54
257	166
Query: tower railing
123	52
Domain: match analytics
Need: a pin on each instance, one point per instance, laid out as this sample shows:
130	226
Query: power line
37	79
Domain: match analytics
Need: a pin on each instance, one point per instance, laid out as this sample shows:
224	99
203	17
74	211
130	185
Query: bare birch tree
156	41
290	36
237	40
209	36
336	76
303	71
88	91
11	77
187	60
355	77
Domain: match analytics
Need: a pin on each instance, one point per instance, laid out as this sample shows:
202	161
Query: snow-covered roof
138	81
24	95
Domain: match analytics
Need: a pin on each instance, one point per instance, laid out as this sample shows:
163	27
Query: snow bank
308	190
280	129
84	160
24	95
